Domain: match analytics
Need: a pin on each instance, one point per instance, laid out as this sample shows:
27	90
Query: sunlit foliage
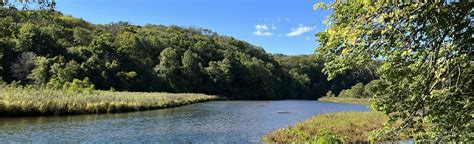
427	62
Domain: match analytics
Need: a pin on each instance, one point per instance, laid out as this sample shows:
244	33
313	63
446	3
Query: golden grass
363	101
34	101
350	126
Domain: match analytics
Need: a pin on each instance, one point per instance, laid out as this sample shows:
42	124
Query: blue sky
279	26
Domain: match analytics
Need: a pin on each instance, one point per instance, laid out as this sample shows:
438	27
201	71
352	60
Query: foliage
27	4
149	58
330	94
40	74
347	127
28	101
426	55
325	136
350	100
79	86
45	48
310	81
371	88
356	91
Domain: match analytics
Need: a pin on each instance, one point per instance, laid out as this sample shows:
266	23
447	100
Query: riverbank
333	127
46	102
362	101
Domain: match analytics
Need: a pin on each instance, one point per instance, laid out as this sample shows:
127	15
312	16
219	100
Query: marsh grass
362	101
347	126
18	101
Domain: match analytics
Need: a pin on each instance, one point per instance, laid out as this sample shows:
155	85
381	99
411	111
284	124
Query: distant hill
50	49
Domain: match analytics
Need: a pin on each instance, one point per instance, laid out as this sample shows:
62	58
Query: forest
45	48
411	62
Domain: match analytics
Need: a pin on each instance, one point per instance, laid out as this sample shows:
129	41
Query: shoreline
29	102
360	101
336	127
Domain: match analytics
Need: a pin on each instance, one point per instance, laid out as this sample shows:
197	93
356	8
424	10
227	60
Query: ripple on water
217	121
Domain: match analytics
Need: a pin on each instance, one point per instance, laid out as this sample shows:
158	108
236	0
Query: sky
279	26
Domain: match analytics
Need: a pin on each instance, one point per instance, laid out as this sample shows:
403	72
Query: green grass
346	126
36	102
362	101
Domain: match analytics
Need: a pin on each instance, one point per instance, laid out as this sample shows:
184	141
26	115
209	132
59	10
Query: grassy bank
33	102
363	101
332	127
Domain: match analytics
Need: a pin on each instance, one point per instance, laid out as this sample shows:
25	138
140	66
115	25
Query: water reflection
218	121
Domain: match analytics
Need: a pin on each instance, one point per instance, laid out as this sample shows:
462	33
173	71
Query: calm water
218	121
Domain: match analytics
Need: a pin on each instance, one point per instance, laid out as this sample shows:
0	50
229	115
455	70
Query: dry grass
33	101
363	101
349	126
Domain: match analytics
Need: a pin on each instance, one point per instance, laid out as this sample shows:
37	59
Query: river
215	121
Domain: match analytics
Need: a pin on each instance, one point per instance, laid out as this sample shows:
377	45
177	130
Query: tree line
47	48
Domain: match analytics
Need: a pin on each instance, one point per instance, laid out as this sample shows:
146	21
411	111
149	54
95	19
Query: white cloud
274	27
262	33
261	27
263	30
301	29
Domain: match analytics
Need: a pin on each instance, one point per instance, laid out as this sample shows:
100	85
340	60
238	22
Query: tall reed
27	101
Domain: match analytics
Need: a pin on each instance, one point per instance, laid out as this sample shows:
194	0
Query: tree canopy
426	58
46	48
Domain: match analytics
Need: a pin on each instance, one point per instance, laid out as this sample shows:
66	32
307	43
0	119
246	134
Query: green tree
169	66
81	86
129	44
27	4
356	91
35	39
372	87
219	75
6	31
62	73
427	62
40	74
82	36
192	71
301	78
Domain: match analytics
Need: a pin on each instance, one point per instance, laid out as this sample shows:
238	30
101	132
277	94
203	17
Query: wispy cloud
263	30
281	19
301	29
262	33
261	27
274	27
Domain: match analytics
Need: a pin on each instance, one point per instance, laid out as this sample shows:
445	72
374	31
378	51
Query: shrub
330	94
81	86
327	136
373	87
356	91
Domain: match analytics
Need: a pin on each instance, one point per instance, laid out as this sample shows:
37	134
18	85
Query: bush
330	94
356	91
81	86
372	87
361	91
325	136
